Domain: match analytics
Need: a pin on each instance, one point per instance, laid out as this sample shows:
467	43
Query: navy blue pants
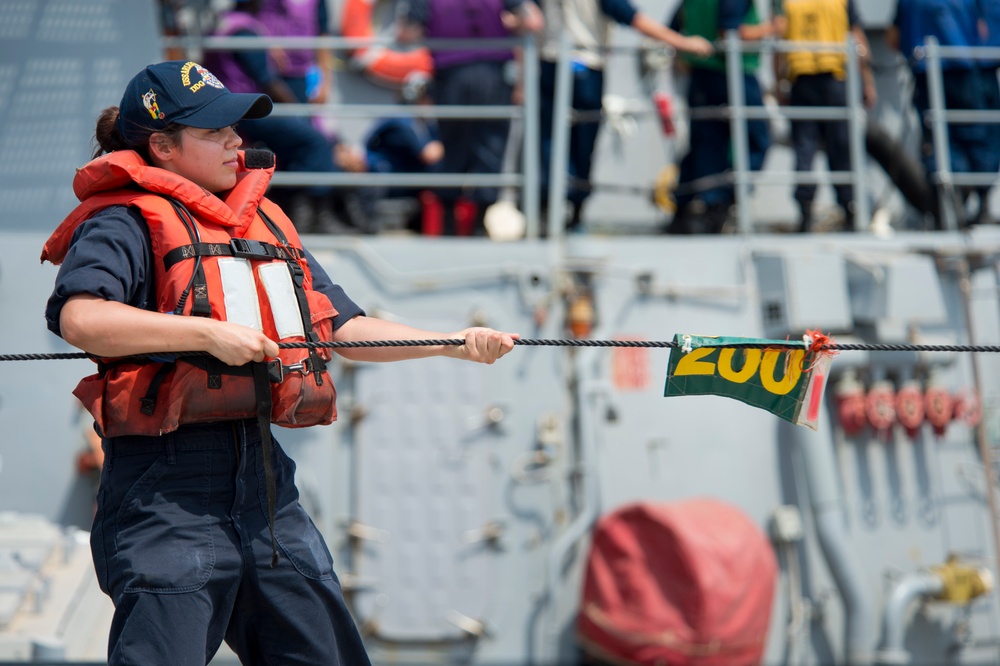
472	146
969	143
181	545
588	92
808	136
991	101
710	153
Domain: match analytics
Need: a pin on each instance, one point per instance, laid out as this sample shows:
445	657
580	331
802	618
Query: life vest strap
262	390
148	401
236	247
298	280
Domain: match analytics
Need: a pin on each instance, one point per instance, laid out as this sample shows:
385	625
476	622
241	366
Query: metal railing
527	113
939	118
737	112
741	177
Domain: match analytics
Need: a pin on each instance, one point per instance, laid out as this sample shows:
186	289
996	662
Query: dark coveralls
710	152
180	538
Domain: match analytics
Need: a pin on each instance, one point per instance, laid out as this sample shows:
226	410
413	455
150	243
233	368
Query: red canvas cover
678	583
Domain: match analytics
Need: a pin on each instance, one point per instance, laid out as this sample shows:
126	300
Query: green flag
785	378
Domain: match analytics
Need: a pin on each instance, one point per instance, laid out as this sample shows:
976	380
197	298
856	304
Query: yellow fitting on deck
962	582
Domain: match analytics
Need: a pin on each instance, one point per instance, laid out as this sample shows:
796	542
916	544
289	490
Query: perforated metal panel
427	495
61	63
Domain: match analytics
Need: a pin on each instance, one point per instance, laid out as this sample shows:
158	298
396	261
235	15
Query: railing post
529	149
856	132
559	160
939	132
738	129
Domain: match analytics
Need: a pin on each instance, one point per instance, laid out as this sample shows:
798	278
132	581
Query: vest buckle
276	370
249	249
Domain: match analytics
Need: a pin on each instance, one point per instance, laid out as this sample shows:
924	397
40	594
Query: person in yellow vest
818	79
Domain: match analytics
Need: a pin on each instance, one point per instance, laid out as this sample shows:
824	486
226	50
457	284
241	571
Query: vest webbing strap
298	279
237	247
262	389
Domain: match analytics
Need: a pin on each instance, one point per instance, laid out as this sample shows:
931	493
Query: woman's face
207	157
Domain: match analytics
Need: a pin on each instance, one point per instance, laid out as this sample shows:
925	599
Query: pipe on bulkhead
819	465
593	405
909	589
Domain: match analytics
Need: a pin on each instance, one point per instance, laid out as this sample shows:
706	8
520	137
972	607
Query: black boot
805	217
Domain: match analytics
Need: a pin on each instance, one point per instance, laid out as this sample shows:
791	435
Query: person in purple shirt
470	77
296	142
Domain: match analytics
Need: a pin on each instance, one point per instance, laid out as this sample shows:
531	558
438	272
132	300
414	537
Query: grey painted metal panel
906	503
61	62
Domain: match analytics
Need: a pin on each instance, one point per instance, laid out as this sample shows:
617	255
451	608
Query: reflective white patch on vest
240	292
280	290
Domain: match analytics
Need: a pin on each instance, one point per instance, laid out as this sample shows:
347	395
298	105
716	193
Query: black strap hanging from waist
262	389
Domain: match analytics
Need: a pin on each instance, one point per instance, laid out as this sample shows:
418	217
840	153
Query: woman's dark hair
109	139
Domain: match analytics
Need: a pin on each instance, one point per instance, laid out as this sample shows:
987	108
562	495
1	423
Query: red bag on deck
683	583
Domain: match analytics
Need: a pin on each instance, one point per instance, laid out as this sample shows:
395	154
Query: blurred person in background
297	144
589	24
409	144
308	72
818	79
989	31
470	76
705	209
953	23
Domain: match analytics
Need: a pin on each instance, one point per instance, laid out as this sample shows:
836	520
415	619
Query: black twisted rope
528	342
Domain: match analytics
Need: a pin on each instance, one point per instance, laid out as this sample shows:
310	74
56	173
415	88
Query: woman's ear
161	147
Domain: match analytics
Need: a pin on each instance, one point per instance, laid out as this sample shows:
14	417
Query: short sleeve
732	14
620	11
108	258
342	303
853	18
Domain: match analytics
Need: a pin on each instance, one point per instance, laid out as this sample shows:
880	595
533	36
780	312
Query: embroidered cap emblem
149	101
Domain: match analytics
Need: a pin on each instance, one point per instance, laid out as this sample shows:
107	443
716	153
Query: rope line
529	342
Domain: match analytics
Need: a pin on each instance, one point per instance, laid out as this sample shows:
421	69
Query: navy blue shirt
394	145
619	11
110	258
953	22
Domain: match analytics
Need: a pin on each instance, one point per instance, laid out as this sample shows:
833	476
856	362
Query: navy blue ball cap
184	93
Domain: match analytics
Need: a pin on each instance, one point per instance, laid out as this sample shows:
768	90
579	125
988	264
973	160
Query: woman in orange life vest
198	535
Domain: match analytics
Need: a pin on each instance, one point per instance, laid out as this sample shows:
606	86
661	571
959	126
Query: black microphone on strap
257	158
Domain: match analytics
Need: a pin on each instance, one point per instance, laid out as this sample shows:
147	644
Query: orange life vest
384	65
232	257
